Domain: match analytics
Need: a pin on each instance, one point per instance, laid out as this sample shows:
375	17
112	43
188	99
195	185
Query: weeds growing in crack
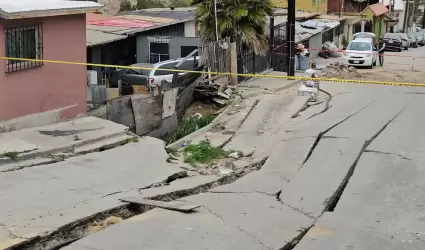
13	155
189	126
203	152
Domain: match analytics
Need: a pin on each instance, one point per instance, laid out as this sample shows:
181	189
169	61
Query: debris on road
337	68
172	205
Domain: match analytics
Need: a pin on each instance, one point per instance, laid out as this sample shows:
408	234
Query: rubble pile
329	49
337	68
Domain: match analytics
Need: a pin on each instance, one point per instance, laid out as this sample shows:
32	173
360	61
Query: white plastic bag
304	90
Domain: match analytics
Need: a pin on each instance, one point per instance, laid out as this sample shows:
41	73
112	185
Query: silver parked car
421	38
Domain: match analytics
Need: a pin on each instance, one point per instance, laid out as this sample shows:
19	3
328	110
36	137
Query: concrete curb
61	149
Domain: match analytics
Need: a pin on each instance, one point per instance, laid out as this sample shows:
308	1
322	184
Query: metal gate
278	48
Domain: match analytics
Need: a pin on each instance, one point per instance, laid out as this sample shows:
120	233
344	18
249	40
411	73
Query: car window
187	65
161	69
359	46
139	71
392	35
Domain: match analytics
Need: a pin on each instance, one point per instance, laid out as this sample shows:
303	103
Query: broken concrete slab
260	216
44	192
382	110
16	165
281	166
61	136
180	206
223	129
390	215
311	190
182	185
10	143
338	113
268	182
402	137
227	114
161	229
357	232
258	126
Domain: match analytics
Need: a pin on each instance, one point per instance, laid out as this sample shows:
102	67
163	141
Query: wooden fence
216	57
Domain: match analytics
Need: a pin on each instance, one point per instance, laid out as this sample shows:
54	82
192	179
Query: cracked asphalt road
349	178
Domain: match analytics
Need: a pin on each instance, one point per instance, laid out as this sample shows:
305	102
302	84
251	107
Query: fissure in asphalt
76	230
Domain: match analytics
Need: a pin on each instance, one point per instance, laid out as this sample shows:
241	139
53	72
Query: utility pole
215	20
423	19
406	13
340	8
290	38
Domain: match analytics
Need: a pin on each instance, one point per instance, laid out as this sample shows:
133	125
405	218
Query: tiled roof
378	9
131	22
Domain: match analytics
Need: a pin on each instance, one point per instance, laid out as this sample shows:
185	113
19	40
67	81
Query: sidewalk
39	200
32	146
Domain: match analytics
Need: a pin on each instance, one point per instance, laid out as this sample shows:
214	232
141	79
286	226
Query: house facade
317	6
143	36
46	30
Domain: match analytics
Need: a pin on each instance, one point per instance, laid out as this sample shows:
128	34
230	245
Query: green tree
179	3
147	4
239	19
126	5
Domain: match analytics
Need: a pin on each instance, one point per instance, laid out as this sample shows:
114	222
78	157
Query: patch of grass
203	152
13	155
188	126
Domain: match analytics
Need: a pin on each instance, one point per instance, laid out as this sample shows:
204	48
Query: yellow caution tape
405	84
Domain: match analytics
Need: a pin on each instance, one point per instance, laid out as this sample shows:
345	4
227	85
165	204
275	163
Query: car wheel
407	48
400	49
374	63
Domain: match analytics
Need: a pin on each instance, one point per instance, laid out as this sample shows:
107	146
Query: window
26	43
359	46
160	71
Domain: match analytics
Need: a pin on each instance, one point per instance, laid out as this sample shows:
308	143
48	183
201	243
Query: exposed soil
205	109
383	75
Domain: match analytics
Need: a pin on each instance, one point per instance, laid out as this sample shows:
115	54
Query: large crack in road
334	199
77	230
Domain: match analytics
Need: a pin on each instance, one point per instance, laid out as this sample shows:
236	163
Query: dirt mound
337	68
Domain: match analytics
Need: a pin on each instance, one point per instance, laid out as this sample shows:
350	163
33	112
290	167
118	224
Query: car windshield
145	71
392	36
359	46
364	35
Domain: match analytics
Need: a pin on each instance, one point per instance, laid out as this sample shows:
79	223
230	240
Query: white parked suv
361	53
153	74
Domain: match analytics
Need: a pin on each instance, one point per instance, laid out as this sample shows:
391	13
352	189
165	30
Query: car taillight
151	81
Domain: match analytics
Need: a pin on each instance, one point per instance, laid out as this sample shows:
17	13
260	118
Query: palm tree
238	19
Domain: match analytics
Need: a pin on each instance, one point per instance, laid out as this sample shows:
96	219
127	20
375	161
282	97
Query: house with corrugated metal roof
149	35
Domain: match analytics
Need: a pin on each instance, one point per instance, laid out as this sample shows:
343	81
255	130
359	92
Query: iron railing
24	42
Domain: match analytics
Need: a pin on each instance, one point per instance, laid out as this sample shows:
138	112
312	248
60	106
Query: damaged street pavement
341	173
